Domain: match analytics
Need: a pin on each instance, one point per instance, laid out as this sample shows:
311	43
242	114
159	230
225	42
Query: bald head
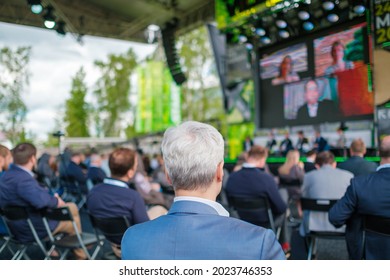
384	149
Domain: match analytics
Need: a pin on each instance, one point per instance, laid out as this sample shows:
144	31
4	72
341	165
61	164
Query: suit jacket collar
191	207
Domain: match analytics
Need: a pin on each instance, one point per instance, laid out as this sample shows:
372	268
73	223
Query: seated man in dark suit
95	173
356	163
253	181
196	226
113	198
314	110
21	189
74	174
366	194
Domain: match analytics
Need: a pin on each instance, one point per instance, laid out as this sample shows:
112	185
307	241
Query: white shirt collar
248	165
386	165
114	182
218	207
25	169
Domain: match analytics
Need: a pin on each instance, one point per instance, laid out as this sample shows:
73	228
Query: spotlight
284	34
328	5
333	18
281	23
249	46
36	6
359	9
49	19
265	40
61	28
260	31
242	39
308	26
303	15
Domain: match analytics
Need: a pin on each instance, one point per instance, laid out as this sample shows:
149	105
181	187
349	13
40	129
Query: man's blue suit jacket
194	230
367	194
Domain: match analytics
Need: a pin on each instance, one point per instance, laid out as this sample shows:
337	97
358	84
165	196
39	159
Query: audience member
114	197
327	182
356	163
74	173
45	170
21	189
286	145
197	227
366	195
290	175
252	182
95	173
5	159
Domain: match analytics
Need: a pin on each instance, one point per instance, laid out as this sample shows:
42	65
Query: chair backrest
112	228
375	224
321	205
246	204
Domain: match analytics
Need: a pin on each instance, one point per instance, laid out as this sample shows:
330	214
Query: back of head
358	147
324	158
257	153
23	152
192	152
384	149
292	158
121	160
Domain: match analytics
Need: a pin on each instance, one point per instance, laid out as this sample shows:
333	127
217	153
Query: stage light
265	40
36	6
249	46
49	19
61	28
242	39
359	9
280	23
284	34
308	26
333	18
328	5
260	31
303	15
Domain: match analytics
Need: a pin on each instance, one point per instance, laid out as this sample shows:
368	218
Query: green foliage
112	93
76	109
14	79
200	102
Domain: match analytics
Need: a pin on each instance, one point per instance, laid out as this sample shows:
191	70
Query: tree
14	79
76	109
200	102
112	93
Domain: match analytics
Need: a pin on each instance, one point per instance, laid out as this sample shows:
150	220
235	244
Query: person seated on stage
95	173
356	163
303	143
114	197
196	226
320	143
366	195
253	181
286	145
21	189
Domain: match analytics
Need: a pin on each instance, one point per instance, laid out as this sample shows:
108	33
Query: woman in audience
290	179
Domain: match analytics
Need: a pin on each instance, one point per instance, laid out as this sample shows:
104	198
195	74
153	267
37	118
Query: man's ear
167	177
131	173
219	173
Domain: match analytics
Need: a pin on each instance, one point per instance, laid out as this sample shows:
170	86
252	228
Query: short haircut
192	152
23	152
121	160
358	146
384	149
4	151
311	152
257	152
300	132
325	157
313	80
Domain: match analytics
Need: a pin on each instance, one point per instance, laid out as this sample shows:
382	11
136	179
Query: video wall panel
322	78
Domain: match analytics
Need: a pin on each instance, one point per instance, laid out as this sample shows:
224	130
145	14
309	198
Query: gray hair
192	152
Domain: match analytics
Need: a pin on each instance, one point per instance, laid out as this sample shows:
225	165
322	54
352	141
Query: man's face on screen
311	94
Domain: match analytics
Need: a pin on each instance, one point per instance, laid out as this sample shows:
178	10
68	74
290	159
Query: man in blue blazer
367	194
196	226
19	188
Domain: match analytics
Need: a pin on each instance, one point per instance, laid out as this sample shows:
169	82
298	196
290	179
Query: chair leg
310	250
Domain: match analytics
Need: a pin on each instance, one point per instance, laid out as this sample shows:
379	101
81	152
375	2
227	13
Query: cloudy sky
54	61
